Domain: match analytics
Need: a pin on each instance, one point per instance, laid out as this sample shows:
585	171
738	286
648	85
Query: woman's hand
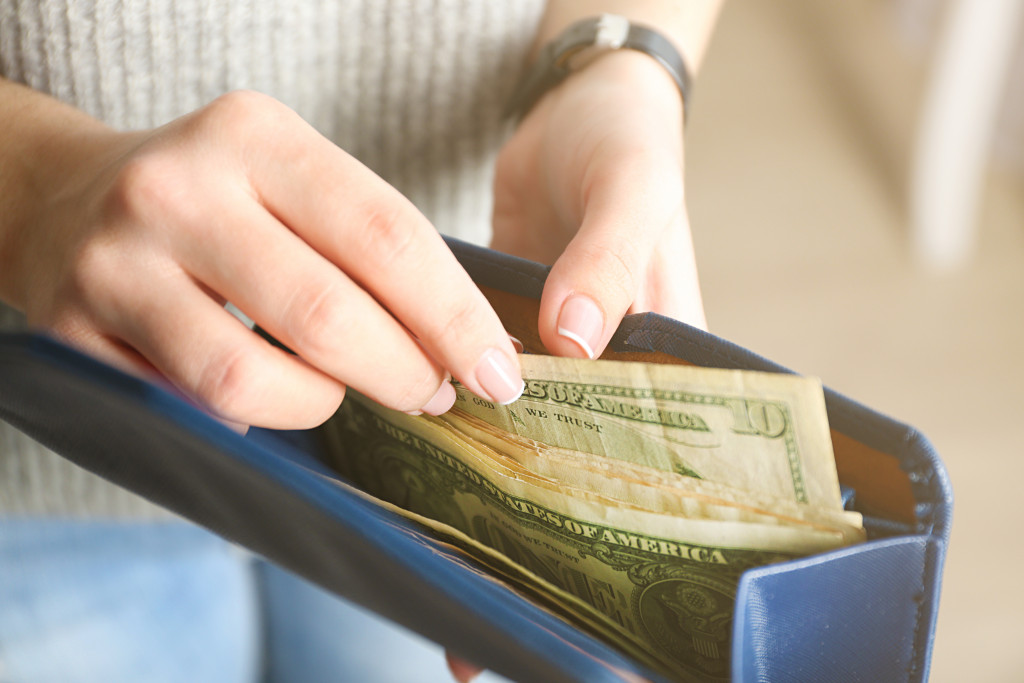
131	243
592	181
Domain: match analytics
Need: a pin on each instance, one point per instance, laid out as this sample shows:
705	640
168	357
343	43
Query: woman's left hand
592	182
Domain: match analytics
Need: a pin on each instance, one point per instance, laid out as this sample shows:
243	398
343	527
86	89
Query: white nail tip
580	341
507	380
518	396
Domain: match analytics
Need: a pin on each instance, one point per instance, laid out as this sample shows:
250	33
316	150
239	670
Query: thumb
603	269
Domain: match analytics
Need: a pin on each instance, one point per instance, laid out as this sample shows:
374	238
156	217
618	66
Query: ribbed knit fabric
413	88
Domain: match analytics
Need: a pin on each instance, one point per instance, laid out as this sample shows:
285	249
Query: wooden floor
797	159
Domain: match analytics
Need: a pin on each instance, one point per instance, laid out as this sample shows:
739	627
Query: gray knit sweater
413	88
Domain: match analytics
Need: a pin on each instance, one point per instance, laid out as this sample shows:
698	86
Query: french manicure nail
442	401
517	344
499	377
581	322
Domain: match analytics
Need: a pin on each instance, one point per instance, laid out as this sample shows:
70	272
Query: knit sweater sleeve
413	88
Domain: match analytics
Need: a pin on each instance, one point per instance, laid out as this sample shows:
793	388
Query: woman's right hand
129	244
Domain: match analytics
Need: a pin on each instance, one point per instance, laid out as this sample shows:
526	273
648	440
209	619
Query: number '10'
760	418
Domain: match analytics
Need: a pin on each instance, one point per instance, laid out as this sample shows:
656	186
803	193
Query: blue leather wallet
861	613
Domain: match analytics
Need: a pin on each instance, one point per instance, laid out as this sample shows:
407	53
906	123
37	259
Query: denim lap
106	602
120	602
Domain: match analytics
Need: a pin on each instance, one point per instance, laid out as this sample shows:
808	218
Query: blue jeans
169	602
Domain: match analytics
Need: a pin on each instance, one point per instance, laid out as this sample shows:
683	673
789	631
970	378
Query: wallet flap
856	595
143	438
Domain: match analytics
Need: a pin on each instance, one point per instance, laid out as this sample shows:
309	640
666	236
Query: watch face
586	40
612	31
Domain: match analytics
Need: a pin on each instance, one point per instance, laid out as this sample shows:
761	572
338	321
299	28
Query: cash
627	498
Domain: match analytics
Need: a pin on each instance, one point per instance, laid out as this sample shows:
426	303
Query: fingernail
442	402
499	377
517	344
581	322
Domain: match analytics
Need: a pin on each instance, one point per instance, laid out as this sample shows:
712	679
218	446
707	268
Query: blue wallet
861	613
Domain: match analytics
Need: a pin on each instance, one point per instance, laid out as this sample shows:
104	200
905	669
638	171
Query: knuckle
413	395
239	108
94	273
149	187
241	100
462	321
253	128
316	318
225	384
390	235
241	117
617	269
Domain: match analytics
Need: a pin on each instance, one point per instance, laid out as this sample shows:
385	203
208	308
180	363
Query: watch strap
584	41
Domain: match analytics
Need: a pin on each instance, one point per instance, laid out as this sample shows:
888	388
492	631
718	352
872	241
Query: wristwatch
582	43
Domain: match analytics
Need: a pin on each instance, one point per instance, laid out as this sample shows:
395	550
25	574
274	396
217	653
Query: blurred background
801	178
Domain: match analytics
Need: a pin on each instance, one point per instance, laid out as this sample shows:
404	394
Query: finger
117	354
384	243
81	333
307	303
628	208
462	671
211	356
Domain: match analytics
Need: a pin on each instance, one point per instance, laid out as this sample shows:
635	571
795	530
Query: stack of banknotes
625	497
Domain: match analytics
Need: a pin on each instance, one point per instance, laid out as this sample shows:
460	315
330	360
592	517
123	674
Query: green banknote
650	489
661	582
763	433
500	569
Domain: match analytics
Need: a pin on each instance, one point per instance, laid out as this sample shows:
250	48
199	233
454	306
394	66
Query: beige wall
797	158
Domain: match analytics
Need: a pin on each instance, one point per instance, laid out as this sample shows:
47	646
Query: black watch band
583	42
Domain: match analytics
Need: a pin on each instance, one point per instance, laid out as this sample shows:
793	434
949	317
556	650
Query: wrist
623	91
636	77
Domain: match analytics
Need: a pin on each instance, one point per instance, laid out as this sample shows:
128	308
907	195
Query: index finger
380	240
